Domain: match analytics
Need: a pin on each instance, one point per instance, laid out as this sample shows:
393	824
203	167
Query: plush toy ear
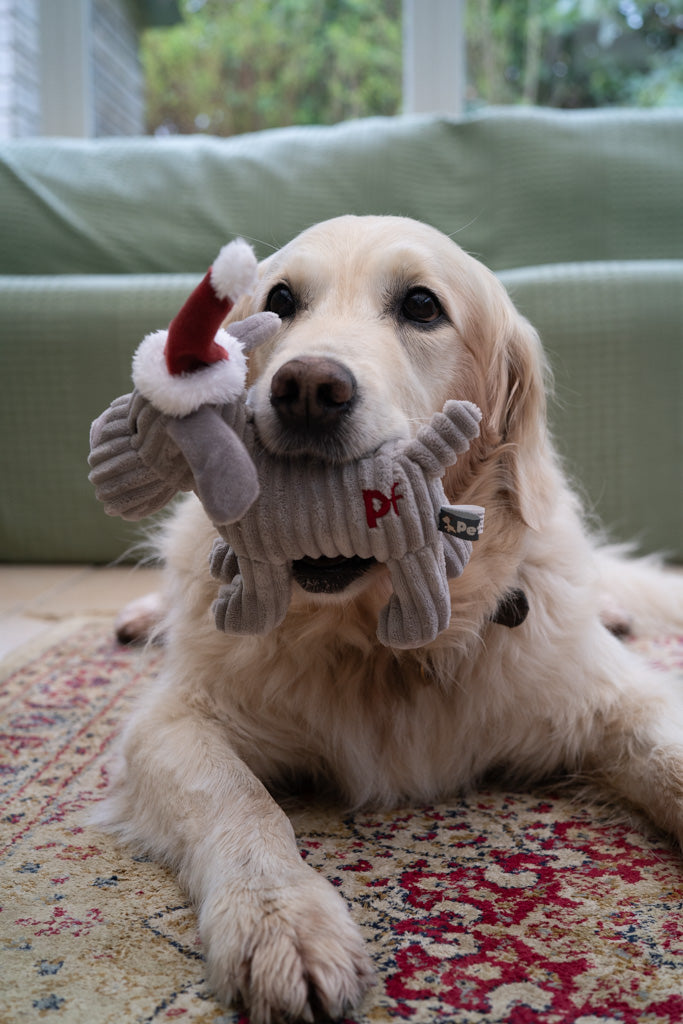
255	330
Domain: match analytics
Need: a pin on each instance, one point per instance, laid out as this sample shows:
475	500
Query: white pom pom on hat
234	271
196	362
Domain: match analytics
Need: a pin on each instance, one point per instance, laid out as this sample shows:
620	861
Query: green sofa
580	214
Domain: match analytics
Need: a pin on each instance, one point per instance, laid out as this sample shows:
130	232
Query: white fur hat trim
215	384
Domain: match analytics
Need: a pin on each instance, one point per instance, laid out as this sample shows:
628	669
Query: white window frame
66	79
434	71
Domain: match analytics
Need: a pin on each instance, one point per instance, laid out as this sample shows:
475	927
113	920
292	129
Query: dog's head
383	320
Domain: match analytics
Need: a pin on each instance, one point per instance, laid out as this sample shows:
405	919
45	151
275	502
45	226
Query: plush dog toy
187	426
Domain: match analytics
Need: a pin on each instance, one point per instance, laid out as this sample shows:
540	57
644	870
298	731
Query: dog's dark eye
421	306
281	301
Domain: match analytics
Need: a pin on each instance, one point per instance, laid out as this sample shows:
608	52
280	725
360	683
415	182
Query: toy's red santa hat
196	362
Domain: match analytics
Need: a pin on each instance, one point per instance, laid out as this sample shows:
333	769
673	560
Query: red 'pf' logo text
378	504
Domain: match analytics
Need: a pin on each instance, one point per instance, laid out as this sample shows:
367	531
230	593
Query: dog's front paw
284	948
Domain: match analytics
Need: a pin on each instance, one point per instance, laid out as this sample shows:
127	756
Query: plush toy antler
169	434
187	426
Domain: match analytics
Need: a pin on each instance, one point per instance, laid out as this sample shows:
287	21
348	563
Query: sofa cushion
614	337
516	187
66	354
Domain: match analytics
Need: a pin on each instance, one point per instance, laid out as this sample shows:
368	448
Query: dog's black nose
312	391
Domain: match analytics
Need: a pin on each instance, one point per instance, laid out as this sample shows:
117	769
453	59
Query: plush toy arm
225	477
140	459
438	444
457	554
135	468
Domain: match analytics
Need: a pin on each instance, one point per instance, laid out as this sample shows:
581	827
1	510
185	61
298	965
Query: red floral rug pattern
503	907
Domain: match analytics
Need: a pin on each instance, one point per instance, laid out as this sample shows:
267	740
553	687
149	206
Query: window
107	67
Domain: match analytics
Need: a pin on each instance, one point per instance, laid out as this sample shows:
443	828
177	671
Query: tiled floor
34	597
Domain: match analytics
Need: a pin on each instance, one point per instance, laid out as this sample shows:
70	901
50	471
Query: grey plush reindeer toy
187	426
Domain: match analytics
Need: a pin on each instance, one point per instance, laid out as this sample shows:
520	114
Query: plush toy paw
447	435
223	564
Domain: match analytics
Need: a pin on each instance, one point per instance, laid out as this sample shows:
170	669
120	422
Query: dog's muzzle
312	397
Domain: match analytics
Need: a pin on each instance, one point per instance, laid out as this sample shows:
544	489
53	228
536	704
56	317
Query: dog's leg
642	762
275	932
634	735
639	595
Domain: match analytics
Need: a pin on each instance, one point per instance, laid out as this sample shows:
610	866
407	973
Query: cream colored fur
320	699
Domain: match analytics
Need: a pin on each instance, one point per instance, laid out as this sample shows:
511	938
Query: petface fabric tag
463	521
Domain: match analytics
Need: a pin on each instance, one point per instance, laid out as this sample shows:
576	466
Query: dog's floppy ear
515	414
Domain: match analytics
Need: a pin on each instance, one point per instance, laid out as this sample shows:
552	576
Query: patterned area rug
504	907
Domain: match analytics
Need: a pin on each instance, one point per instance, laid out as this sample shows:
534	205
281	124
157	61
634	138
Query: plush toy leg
257	599
420	606
225	476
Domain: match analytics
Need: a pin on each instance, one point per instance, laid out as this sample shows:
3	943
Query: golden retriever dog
383	320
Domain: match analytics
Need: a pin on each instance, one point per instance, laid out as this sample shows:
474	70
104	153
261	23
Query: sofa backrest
517	187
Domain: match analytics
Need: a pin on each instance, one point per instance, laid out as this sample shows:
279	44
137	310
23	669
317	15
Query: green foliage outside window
242	65
576	53
235	66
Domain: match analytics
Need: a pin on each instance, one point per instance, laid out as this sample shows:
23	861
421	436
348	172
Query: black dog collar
512	610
